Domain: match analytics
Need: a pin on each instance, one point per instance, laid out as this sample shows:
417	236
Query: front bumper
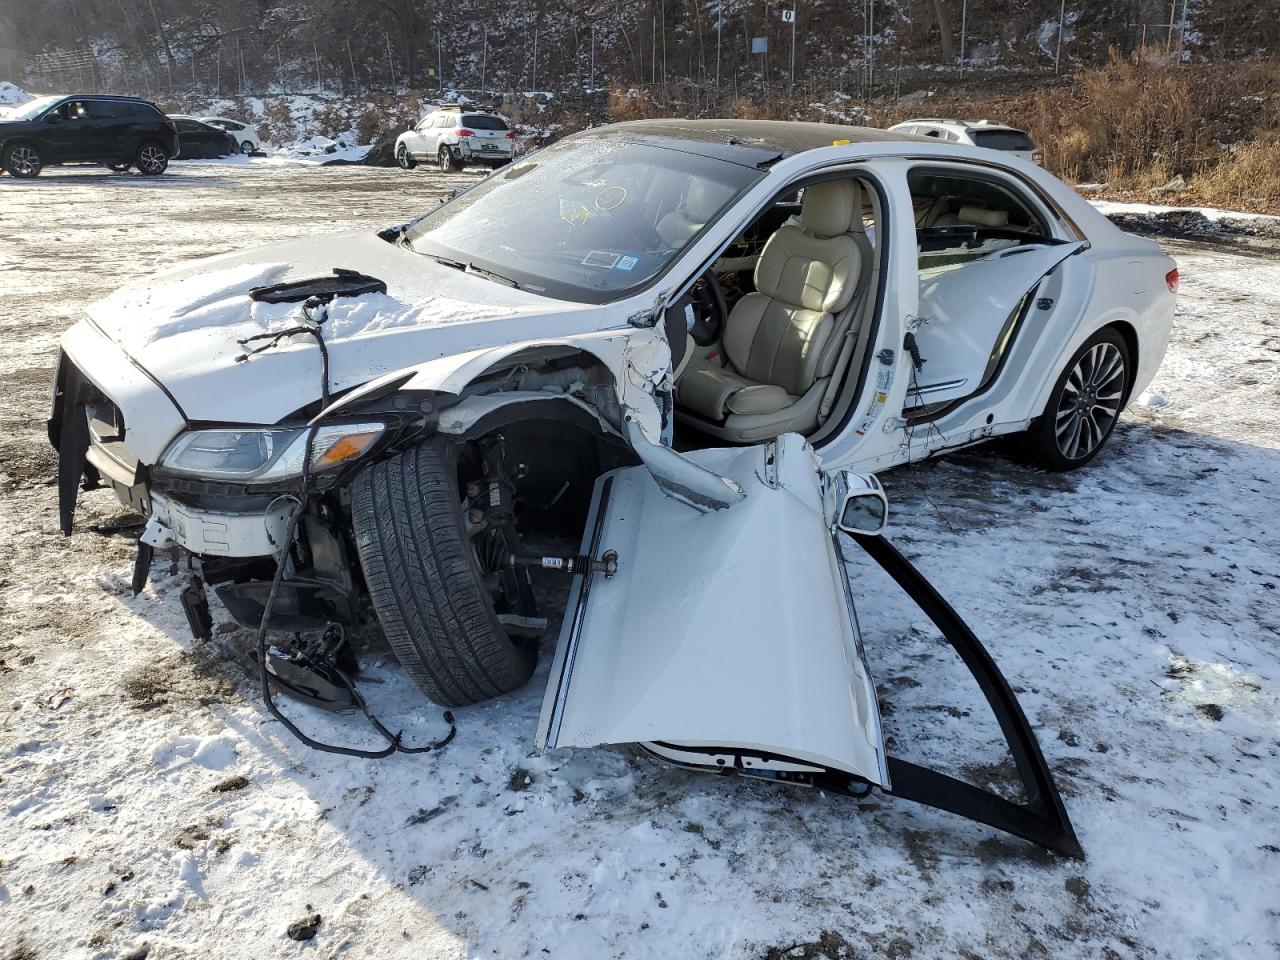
214	533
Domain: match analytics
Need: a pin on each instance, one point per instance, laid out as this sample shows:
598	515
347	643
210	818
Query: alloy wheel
1090	401
24	161
151	159
402	157
246	148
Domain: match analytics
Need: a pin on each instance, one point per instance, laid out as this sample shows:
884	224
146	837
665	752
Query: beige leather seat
781	343
969	215
701	201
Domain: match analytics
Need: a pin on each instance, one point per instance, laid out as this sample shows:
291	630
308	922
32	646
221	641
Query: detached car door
721	636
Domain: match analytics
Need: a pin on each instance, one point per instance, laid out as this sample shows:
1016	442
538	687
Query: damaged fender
641	370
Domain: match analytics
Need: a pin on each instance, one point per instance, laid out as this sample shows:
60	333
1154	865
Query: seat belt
849	339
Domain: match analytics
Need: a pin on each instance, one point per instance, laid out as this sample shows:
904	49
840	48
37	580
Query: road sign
759	44
788	16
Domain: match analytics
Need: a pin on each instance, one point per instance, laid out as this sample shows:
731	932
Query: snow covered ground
148	801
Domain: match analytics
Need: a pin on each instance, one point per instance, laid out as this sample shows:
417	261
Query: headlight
266	454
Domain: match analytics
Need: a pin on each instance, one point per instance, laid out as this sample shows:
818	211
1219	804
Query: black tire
246	148
1088	395
448	162
404	159
23	160
151	159
424	579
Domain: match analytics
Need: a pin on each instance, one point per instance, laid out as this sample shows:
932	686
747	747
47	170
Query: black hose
394	744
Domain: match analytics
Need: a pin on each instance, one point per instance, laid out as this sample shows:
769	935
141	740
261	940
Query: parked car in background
118	131
200	140
976	133
453	137
245	135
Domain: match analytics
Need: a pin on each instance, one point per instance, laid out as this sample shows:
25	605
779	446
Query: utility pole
719	26
355	81
789	16
1062	15
439	60
484	57
280	67
964	18
871	61
534	84
391	64
593	56
319	81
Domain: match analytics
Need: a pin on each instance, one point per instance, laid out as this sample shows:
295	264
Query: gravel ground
148	801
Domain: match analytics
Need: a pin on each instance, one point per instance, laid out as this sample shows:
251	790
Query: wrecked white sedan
691	340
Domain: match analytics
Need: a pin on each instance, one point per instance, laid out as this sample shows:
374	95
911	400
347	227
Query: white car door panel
750	601
962	310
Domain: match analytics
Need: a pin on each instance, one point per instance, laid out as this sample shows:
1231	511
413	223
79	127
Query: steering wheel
710	309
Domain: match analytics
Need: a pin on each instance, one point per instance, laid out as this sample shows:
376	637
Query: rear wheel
448	162
1085	403
151	160
436	586
247	148
23	160
404	158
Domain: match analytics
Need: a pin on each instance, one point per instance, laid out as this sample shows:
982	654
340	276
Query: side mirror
858	504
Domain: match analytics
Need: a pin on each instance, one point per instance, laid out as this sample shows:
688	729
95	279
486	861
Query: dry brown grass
1135	124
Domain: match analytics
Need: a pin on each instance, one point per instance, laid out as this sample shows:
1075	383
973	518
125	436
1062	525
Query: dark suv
117	131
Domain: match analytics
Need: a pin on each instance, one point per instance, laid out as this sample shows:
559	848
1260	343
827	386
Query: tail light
172	127
511	134
1037	156
1171	278
466	133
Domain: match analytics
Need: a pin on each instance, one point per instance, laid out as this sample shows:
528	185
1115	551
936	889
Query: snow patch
1152	400
11	95
212	753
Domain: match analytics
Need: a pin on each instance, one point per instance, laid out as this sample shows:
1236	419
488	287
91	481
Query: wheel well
1130	337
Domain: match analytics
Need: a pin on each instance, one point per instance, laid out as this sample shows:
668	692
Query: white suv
246	136
453	137
976	133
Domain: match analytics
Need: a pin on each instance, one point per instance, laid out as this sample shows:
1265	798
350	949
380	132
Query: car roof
751	141
103	96
966	124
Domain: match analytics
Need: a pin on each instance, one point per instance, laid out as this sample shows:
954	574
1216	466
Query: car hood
184	326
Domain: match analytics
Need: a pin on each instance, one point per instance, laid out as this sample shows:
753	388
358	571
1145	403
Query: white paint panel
728	628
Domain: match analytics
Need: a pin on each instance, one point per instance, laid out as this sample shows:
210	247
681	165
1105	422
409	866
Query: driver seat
781	343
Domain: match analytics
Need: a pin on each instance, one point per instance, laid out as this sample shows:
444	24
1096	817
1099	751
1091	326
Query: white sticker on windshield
626	263
600	258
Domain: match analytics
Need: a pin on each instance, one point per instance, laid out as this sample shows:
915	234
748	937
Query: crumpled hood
183	325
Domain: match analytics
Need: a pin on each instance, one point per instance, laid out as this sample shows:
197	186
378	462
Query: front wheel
152	160
23	160
437	585
246	148
448	162
1085	403
404	159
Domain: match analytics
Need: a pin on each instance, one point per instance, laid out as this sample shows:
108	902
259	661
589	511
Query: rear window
477	121
1001	139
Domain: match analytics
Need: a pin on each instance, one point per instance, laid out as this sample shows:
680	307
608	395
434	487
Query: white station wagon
690	343
452	137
